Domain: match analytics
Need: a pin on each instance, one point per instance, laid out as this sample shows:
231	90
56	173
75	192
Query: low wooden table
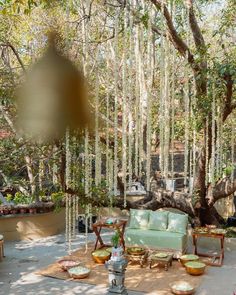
163	261
139	258
220	256
119	226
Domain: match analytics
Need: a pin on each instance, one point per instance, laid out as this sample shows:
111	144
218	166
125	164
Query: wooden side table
119	226
219	256
163	261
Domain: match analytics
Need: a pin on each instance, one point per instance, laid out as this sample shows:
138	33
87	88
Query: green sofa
161	230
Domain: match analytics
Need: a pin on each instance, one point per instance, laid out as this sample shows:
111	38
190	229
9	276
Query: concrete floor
23	258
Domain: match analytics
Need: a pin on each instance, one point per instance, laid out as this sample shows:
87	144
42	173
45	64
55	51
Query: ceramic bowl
135	251
195	268
79	272
66	264
188	257
101	256
182	288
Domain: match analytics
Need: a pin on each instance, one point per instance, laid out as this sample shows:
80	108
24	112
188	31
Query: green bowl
195	268
188	257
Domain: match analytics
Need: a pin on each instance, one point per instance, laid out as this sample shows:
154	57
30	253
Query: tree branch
197	34
174	37
16	54
228	106
223	189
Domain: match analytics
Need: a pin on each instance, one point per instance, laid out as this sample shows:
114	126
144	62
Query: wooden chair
1	247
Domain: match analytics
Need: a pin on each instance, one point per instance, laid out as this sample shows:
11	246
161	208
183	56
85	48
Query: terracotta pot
6	211
14	211
32	210
23	210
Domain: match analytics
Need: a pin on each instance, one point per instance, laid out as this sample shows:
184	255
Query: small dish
79	272
218	231
135	251
188	257
182	288
66	264
160	255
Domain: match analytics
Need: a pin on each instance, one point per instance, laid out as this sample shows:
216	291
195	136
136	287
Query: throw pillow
139	218
158	220
177	223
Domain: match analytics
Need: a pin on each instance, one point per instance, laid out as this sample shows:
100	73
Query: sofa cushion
139	218
154	239
158	220
177	223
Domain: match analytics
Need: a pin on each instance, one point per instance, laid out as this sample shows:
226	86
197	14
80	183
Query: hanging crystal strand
97	138
111	173
68	197
116	68
161	107
232	150
166	127
219	141
173	53
130	101
172	113
107	126
137	103
194	130
124	111
142	99
54	166
207	153
186	132
186	110
213	127
87	162
149	99
73	181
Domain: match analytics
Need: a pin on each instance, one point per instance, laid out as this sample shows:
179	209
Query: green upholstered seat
155	239
164	231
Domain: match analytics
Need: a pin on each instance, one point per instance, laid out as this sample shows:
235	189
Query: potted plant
32	209
14	210
5	209
117	251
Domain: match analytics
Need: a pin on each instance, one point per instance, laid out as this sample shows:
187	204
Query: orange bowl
101	256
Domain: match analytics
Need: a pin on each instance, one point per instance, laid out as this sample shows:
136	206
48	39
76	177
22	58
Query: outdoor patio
24	258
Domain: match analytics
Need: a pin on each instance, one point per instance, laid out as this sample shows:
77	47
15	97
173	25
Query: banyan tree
159	73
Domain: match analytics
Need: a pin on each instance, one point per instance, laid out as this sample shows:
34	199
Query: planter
32	226
117	253
32	210
14	211
23	210
5	211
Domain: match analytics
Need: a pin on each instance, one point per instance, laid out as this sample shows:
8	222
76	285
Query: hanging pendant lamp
53	97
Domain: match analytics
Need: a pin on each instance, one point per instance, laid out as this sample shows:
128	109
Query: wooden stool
1	247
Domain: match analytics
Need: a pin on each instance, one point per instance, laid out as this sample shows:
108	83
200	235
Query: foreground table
163	261
220	256
117	226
